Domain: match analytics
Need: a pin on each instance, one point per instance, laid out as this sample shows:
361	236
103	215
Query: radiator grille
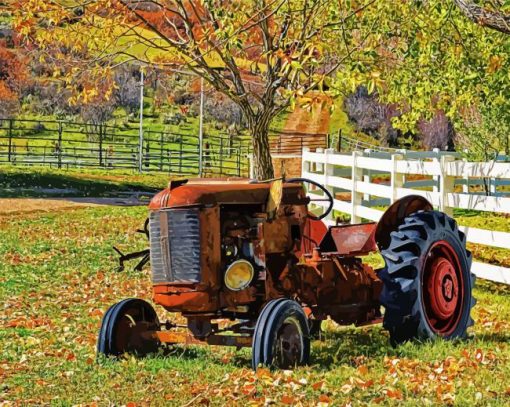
175	245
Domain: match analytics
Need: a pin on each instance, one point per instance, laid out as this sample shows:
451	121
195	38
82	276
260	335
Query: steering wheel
329	197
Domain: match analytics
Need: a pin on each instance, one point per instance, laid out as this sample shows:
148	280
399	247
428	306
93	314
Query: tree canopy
426	56
420	56
262	54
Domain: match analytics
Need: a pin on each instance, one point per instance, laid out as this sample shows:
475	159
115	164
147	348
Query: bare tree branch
495	20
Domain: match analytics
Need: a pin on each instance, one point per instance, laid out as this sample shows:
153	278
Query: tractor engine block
344	288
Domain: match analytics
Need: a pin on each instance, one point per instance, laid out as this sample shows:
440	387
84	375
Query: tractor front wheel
281	337
123	327
428	285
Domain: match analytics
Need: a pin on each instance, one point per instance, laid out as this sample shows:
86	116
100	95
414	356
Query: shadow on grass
184	352
490	287
498	337
164	353
345	346
19	184
348	347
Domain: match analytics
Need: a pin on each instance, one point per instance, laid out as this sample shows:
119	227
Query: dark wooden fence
74	145
293	143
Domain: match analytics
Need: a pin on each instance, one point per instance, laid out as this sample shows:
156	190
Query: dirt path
314	121
16	206
305	127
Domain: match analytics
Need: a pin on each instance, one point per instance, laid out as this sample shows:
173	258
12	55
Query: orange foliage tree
13	78
262	54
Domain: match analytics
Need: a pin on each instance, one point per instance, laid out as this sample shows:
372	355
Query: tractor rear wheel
427	290
123	326
281	338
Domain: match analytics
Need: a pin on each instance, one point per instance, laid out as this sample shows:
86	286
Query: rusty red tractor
254	254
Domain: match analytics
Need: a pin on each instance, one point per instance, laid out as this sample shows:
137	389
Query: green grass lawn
57	279
18	182
167	145
489	221
32	131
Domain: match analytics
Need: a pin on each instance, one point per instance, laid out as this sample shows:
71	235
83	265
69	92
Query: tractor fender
394	216
313	231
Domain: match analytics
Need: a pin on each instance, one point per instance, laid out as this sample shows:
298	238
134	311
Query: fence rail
446	182
66	144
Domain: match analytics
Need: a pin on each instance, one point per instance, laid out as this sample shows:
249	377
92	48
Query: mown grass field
57	278
33	181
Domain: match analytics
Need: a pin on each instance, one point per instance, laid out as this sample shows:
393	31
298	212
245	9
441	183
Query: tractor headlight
239	275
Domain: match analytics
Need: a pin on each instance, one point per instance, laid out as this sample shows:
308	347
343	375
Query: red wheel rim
443	288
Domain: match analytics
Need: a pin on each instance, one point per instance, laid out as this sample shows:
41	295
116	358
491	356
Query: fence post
147	161
404	156
367	176
180	154
161	152
446	185
329	171
221	155
493	186
436	178
252	166
465	187
356	198
200	156
305	165
397	179
318	167
100	145
340	140
59	152
10	141
239	161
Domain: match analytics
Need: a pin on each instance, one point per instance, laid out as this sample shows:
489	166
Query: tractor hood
222	191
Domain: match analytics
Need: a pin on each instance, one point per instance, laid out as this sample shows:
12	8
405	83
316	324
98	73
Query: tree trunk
262	163
485	17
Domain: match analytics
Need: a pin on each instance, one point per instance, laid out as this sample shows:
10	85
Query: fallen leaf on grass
318	385
248	389
96	313
346	388
393	393
363	369
479	355
263	372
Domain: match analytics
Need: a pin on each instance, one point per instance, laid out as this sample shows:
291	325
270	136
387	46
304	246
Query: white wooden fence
441	174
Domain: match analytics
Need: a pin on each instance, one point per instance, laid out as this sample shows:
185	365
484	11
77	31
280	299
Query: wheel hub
289	345
443	288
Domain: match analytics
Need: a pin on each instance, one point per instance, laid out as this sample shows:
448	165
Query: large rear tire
427	290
